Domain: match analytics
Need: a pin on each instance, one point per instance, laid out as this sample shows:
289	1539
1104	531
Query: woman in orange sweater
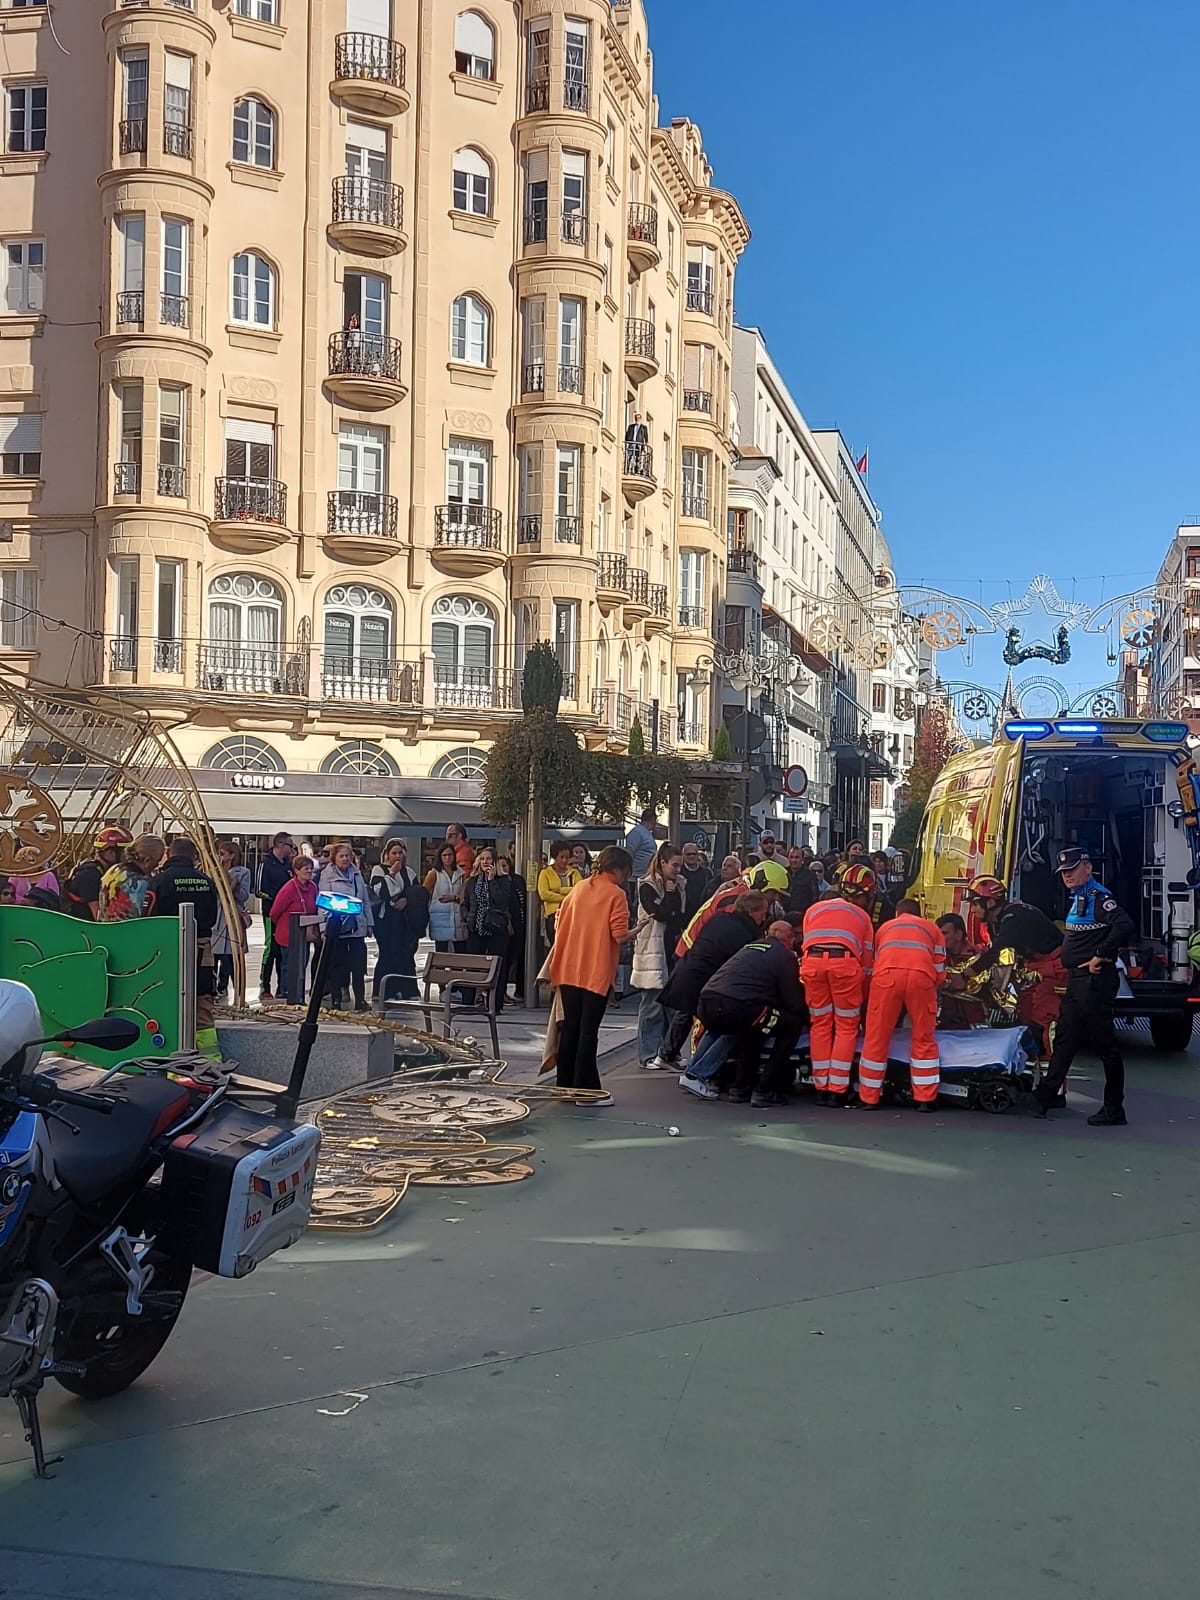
591	927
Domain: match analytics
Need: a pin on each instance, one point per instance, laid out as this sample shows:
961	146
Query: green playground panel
79	970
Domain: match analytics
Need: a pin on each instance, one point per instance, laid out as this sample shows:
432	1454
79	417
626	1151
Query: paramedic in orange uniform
910	966
837	953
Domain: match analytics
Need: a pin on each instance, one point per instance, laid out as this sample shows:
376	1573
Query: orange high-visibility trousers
833	987
891	993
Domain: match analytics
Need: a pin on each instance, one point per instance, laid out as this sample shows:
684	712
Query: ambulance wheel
996	1098
1172	1033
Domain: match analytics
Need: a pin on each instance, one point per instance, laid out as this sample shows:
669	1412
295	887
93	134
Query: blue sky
975	250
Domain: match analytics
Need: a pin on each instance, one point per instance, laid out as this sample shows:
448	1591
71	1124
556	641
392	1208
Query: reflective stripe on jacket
840	922
910	944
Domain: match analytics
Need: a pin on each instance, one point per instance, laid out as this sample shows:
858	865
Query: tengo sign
258	780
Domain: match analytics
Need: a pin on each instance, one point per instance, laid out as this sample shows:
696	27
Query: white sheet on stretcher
974	1048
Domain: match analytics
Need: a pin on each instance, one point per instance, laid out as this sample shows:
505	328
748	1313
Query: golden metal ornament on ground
354	1207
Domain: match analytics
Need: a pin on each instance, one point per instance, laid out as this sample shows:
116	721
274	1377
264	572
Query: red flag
861	464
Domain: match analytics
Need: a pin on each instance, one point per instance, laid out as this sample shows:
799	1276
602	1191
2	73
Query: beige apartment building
346	349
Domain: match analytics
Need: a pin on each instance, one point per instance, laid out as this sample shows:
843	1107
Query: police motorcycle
115	1186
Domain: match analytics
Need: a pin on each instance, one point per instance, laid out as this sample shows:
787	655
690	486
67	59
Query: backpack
72	898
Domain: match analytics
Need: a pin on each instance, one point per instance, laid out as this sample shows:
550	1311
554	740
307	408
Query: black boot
1108	1117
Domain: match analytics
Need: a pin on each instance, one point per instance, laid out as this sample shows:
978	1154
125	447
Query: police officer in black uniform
1097	930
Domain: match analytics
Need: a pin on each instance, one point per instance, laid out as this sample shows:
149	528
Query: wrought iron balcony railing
127	477
172	480
133	136
469	526
698	299
612	572
639	461
131	306
570	378
640	338
529	528
228	667
374	679
168	655
643	224
692	504
122	653
173	310
658	600
691	616
250	500
481	688
639	586
533	377
376	516
577	94
535	227
370	56
698	400
537	95
568	529
743	561
357	198
364	355
177	139
575	227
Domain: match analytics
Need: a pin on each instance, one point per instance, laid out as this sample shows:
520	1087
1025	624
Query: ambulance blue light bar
1165	732
1079	730
1027	730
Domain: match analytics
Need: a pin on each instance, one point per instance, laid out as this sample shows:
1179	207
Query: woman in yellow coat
555	883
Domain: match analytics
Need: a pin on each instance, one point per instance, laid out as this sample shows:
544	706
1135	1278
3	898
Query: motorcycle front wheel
113	1350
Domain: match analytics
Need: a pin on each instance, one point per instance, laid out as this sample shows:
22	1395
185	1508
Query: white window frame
577	58
374	295
135	86
358	604
574	183
568	475
455	616
22	133
471	188
471	32
257	10
173	444
261	133
168	627
254	261
21	445
570	331
18	608
24	275
181	244
468	473
530	467
265	597
125	599
131	226
470	330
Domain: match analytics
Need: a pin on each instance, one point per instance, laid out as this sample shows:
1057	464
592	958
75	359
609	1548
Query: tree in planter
722	749
537	760
933	749
637	739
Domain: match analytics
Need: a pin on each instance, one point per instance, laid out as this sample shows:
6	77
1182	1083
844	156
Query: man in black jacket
696	879
758	987
183	882
802	884
719	939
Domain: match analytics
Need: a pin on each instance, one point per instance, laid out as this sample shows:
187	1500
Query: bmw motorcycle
114	1187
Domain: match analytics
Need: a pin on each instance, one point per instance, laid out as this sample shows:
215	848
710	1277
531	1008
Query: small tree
541	680
536	766
722	749
637	739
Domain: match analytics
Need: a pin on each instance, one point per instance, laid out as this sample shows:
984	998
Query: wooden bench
450	971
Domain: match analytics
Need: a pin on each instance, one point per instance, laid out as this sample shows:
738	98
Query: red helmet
987	889
858	880
116	838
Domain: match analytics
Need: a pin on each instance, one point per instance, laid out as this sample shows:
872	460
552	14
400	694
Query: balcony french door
468	473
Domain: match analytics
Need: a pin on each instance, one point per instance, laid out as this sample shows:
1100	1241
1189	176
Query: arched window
253	132
360	758
242	652
464	650
242	752
470	330
358	632
472	182
474	46
252	291
465	763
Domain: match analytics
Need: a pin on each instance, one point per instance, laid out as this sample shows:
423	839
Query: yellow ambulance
1125	789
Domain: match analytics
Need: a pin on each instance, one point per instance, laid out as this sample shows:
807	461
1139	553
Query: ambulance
1125	789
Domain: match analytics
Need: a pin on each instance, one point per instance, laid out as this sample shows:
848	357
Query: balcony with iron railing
365	369
537	95
659	618
574	227
637	471
476	688
613	710
641	354
368	215
743	564
172	480
699	400
131	306
533	377
249	514
637	605
361	526
177	139
370	679
577	93
132	136
166	655
694	503
368	73
467	539
612	580
698	298
570	378
127	477
122	653
536	225
229	667
690	733
529	528
173	310
691	616
642	237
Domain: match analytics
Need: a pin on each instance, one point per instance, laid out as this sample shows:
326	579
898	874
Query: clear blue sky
976	243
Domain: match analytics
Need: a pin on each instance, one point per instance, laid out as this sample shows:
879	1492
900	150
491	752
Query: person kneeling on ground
760	980
718	940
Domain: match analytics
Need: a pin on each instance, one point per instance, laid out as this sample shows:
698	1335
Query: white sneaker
658	1064
597	1100
700	1087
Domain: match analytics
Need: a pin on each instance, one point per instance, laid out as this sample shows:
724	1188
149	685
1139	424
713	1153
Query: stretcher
988	1069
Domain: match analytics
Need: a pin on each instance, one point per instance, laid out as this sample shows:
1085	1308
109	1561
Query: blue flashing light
1165	732
1089	730
1026	730
344	905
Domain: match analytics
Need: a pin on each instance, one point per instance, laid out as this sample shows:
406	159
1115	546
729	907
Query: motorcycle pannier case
239	1188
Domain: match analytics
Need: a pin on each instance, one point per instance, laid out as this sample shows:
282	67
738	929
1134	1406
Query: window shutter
537	166
445	645
365	137
477	648
574	164
472	36
178	70
468	160
339	632
369	16
249	432
21	434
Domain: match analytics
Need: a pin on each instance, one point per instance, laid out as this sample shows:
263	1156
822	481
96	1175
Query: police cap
1071	857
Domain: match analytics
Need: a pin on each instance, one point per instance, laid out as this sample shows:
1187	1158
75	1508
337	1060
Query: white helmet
20	1027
